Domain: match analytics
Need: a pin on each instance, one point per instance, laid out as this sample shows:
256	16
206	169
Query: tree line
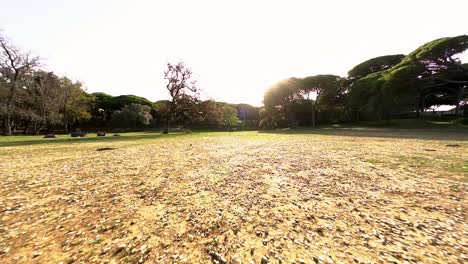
381	88
33	100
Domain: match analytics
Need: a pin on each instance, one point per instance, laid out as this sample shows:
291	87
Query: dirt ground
244	197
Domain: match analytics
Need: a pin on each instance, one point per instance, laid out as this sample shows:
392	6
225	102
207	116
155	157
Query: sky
236	49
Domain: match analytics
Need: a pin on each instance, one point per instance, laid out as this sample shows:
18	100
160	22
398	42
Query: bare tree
179	85
14	64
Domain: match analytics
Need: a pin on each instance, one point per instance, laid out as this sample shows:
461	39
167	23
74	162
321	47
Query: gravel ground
352	196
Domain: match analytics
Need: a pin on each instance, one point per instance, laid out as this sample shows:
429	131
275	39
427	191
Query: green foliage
124	100
380	88
267	123
229	116
320	83
218	114
429	72
132	115
263	113
105	105
283	93
290	102
249	115
374	65
74	103
428	76
365	96
462	121
112	103
329	89
438	50
280	98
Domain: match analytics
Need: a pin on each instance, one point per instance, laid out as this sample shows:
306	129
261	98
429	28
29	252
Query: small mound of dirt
103	149
78	134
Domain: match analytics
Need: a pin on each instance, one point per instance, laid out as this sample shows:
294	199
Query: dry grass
303	197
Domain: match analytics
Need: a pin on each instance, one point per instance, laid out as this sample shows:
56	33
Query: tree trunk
169	117
419	104
8	111
38	129
313	114
291	118
418	107
65	126
459	99
166	127
65	121
9	105
8	123
314	110
26	126
423	104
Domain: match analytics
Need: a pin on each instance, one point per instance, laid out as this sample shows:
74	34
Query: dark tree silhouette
179	85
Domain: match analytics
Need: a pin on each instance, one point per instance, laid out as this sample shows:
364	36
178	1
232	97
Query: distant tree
73	101
14	65
214	114
103	108
105	105
318	85
161	107
333	102
179	85
188	111
389	85
132	115
431	69
366	100
210	115
229	116
249	115
123	100
280	98
266	119
374	65
362	89
45	90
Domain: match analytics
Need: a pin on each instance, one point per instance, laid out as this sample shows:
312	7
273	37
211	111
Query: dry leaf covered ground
321	196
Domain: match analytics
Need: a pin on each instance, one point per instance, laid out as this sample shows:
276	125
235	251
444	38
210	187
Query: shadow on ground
67	139
422	134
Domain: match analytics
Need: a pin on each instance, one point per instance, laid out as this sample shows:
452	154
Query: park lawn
303	196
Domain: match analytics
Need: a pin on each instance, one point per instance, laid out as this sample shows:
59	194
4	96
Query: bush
267	123
461	121
132	115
